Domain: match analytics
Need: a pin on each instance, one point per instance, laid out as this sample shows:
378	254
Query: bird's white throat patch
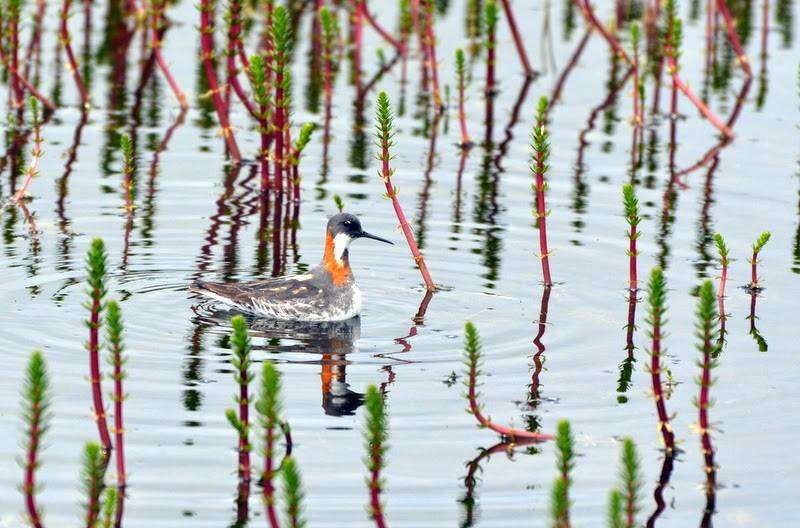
340	244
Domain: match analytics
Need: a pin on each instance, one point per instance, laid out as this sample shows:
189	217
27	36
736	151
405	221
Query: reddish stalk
708	114
96	261
657	310
523	55
36	156
591	18
235	48
116	346
15	91
541	151
36	403
207	8
73	63
466	142
396	44
744	62
19	77
430	43
156	21
385	141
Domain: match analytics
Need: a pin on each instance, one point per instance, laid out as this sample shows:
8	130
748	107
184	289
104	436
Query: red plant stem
357	31
16	75
13	37
556	95
708	114
655	375
703	404
462	118
33	169
207	51
490	62
94	372
73	64
523	55
541	216
375	488
591	18
744	62
244	419
391	192
754	270
119	425
280	126
31	463
269	487
506	432
632	272
396	44
723	281
236	47
430	38
157	19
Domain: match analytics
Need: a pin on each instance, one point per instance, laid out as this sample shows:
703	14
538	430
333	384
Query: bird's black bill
364	234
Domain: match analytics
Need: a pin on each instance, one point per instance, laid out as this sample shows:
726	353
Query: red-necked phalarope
326	293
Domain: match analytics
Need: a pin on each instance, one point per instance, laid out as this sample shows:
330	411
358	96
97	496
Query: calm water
196	217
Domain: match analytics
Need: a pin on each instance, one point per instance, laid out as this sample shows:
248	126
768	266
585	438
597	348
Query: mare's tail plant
36	152
632	217
259	80
724	260
657	300
36	413
293	493
472	360
623	502
385	136
763	238
128	169
708	347
430	44
540	145
375	434
461	80
117	359
240	342
565	461
490	16
268	407
96	269
282	43
93	470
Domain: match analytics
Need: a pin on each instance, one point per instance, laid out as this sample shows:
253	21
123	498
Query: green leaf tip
722	248
631	203
763	238
293	493
339	203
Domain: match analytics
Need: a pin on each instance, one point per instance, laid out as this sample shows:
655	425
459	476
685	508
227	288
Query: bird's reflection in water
330	341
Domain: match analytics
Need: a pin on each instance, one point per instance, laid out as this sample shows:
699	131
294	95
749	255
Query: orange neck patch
340	271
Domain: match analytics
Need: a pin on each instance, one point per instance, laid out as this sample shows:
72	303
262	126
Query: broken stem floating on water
375	434
472	351
540	146
96	269
385	136
36	413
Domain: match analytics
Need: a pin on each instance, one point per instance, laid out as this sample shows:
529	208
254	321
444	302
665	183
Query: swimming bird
326	293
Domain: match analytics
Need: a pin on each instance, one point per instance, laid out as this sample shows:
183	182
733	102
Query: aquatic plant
722	248
733	37
93	469
630	481
36	152
631	204
461	73
11	65
66	42
234	49
565	461
156	30
282	43
707	345
128	169
292	493
385	135
108	509
615	517
540	150
36	415
430	44
96	279
259	80
472	361
299	146
490	29
512	25
240	343
268	407
638	106
375	435
207	56
591	18
385	35
117	359
657	300
763	238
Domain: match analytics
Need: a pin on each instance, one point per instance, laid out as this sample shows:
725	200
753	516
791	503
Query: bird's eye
348	222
